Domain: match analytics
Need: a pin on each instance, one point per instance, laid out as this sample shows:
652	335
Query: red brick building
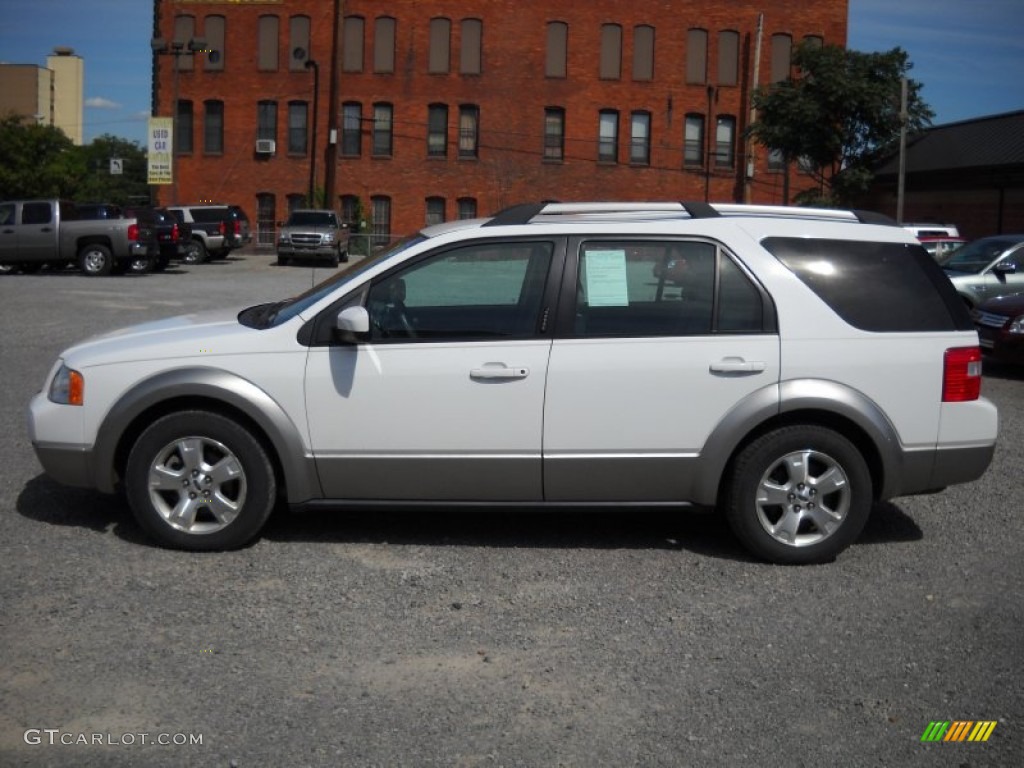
437	109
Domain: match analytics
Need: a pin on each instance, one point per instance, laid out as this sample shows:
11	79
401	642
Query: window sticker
606	279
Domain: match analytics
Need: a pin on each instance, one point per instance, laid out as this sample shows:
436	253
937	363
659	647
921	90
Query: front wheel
199	481
95	260
799	494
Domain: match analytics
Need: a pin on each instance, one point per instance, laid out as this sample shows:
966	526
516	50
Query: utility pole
902	179
748	179
331	153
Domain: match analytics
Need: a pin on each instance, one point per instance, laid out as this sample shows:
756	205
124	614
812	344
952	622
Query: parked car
317	234
931	229
52	232
942	247
1000	324
989	267
174	237
773	385
216	230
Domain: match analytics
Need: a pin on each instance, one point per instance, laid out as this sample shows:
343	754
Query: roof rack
550	212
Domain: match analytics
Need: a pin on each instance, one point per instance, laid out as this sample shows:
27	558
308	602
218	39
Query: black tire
142	265
344	257
95	260
798	495
227	485
282	261
195	253
31	268
335	258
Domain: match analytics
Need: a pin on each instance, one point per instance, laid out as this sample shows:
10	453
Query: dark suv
216	230
175	237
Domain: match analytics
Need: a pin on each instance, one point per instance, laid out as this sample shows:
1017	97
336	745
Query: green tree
37	161
99	185
838	116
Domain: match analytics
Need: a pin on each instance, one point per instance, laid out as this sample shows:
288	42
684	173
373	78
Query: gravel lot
464	640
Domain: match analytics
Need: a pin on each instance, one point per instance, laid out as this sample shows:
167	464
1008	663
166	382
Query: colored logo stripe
958	730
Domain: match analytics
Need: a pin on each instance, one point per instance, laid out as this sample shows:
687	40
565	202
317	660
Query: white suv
789	366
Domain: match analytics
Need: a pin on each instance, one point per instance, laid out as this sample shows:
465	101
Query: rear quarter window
207	215
878	287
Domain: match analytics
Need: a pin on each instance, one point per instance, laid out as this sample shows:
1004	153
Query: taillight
238	229
961	375
133	232
221	229
174	233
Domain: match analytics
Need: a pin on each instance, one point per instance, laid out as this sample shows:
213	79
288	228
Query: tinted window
206	215
676	288
480	291
977	255
875	286
36	213
6	213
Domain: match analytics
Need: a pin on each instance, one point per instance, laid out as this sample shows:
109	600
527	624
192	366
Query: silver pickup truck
38	232
314	234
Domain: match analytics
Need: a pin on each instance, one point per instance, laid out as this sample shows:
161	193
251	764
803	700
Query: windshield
311	219
274	314
977	255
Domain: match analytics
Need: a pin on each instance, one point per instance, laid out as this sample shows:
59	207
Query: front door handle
738	365
492	371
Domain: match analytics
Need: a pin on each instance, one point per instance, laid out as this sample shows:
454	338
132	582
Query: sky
969	54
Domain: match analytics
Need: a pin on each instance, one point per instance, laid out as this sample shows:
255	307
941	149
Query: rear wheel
95	260
800	494
198	480
195	252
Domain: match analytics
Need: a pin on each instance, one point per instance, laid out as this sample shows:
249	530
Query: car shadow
46	501
699	531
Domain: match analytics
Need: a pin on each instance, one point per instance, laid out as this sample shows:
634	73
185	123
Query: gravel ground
454	639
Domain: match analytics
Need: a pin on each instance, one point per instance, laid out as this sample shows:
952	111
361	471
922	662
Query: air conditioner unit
266	146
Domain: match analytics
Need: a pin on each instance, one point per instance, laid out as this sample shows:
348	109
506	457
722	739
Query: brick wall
511	92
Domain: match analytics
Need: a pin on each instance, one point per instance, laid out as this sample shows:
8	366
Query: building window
380	206
439	57
298	42
608	136
643	53
697	56
640	138
611	52
350	211
725	142
213	32
184	30
814	41
266	120
782	57
384	45
266	214
298	128
472	45
557	49
469	130
693	141
382	130
296	200
213	127
351	129
776	160
728	57
267	43
554	134
352	44
435	210
437	130
183	128
467	207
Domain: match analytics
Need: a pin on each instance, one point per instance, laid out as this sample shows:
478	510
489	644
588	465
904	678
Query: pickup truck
38	232
310	233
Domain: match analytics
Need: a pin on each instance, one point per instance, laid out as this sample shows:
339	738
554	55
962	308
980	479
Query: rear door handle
492	371
738	365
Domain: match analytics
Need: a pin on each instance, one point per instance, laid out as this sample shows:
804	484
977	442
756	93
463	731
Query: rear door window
880	287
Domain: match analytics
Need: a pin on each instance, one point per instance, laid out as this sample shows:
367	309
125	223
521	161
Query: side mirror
352	325
1004	268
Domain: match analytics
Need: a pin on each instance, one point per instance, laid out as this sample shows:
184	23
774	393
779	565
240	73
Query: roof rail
553	211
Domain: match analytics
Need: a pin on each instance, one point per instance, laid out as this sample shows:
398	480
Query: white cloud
97	102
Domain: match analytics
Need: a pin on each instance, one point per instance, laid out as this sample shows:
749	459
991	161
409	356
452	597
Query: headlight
68	387
329	238
1017	326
